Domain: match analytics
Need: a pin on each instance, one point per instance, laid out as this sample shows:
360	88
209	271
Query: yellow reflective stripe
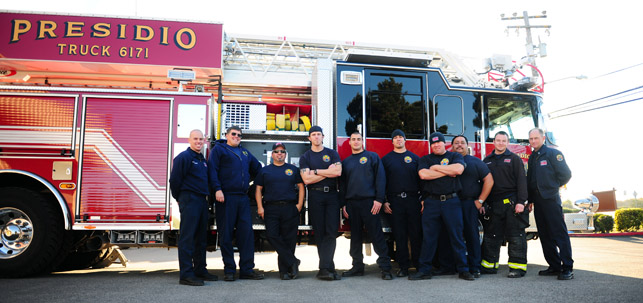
506	201
486	264
517	266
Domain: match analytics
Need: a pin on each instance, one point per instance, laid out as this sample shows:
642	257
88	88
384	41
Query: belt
325	189
405	195
282	202
441	197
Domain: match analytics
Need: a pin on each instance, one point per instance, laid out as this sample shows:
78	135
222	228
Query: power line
595	108
596	100
619	70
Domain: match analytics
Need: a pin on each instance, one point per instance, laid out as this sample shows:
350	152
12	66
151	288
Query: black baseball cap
278	144
315	129
436	137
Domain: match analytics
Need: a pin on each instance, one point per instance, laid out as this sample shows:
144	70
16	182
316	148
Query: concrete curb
628	234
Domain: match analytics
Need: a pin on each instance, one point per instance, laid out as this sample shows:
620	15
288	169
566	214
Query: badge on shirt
245	153
288	172
559	157
507	160
444	161
205	164
363	160
326	158
194	162
408	159
543	162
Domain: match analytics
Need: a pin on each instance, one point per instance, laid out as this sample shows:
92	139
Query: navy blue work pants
323	211
193	234
471	237
360	216
235	213
552	230
436	211
407	227
282	221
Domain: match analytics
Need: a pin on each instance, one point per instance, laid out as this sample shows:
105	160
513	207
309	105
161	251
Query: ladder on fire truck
259	59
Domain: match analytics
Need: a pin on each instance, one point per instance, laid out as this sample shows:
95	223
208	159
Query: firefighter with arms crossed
230	168
403	202
320	168
279	206
362	187
547	172
439	171
509	216
189	187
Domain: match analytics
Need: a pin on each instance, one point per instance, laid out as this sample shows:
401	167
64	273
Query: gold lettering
105	52
101	30
121	31
61	46
92	50
164	31
139	33
191	35
46	28
84	52
74	29
18	28
72	49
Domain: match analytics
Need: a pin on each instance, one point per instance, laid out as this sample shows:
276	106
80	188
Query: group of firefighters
433	202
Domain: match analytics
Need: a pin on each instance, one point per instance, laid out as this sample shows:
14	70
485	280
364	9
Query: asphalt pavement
607	269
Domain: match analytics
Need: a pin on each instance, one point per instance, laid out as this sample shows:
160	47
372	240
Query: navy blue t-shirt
320	160
279	182
401	172
471	178
443	185
189	173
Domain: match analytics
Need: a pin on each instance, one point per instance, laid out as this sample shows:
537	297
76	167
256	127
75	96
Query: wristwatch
315	171
481	201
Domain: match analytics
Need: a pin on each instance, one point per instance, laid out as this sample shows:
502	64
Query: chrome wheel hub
16	232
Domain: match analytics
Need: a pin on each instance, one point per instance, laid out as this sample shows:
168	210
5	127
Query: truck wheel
31	233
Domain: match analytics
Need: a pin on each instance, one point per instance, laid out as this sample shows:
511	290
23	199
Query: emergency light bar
388	58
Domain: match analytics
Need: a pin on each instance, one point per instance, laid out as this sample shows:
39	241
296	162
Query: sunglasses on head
236	135
280	151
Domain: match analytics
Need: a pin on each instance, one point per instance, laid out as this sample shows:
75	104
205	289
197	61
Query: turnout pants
193	234
407	227
552	230
360	216
282	222
505	224
436	212
235	213
324	215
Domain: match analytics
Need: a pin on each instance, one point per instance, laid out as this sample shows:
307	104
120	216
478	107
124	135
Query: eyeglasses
236	135
281	151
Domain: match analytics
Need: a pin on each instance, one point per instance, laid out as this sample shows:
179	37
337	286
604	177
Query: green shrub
603	223
628	219
567	210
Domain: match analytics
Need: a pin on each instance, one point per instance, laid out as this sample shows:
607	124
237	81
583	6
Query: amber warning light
67	186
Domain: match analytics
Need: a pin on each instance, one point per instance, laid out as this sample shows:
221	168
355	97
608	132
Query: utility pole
542	51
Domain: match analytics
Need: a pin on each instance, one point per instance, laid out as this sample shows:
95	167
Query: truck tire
32	235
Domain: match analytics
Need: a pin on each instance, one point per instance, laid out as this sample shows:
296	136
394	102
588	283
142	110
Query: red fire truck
93	109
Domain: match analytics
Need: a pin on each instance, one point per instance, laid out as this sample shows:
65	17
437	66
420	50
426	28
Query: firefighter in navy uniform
509	216
476	182
189	186
403	202
320	168
363	188
230	167
439	171
279	206
547	172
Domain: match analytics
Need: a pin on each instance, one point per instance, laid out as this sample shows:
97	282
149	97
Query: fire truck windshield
514	115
